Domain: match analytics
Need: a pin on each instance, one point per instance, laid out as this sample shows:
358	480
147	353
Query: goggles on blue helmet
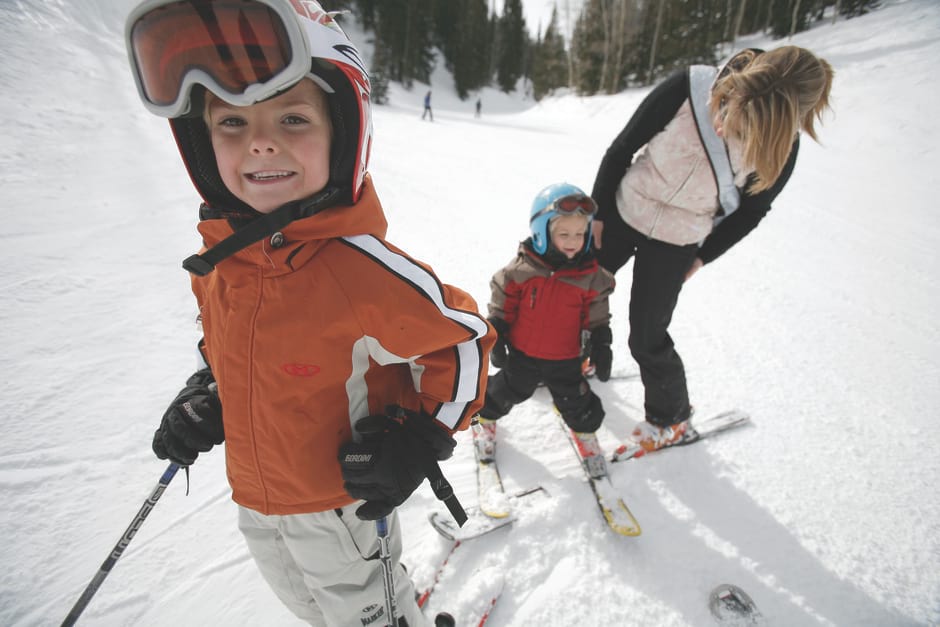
580	204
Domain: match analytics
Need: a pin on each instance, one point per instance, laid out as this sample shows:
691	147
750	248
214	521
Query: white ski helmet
244	52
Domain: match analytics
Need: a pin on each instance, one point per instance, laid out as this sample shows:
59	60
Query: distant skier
667	208
541	304
479	106
427	106
340	367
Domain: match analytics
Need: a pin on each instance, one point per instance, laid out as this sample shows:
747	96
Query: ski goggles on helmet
243	51
572	204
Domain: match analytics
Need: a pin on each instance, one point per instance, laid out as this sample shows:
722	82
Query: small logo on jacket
300	370
375	613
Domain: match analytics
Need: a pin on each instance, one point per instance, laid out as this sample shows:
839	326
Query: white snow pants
325	566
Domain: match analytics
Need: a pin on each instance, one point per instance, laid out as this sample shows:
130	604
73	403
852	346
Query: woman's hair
767	101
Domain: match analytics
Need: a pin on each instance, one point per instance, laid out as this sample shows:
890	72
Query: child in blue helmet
543	305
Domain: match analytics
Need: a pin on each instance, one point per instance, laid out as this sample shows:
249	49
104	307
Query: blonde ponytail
767	102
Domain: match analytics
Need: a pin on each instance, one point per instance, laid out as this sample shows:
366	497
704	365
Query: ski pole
118	549
385	556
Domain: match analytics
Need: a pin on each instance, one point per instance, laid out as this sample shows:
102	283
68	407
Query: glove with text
396	452
601	355
500	353
193	422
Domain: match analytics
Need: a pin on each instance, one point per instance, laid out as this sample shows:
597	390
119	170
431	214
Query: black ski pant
580	408
658	274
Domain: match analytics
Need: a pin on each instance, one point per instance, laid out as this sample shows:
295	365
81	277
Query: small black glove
601	356
193	422
392	460
500	353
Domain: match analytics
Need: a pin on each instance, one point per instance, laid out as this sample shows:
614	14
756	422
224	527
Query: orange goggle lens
236	43
584	205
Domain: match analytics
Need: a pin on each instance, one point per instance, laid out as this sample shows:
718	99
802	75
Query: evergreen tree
587	48
854	8
549	60
513	42
462	34
404	33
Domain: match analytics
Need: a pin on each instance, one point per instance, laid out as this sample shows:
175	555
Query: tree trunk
659	25
569	32
737	23
794	16
607	28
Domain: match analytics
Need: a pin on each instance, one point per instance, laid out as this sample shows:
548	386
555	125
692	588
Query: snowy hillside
824	325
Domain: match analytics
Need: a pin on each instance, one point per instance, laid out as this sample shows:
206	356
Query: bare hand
696	265
597	227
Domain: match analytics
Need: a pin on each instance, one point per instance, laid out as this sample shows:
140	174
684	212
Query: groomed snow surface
823	324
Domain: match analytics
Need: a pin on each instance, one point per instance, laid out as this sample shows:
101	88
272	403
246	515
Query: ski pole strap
701	80
444	491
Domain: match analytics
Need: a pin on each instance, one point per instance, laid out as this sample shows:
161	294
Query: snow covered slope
824	325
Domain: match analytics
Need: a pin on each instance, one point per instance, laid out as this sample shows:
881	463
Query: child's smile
276	151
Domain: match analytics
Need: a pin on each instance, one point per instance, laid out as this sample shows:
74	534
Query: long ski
424	596
618	516
457	542
699	430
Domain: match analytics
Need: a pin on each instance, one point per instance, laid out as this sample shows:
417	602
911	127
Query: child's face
275	151
568	234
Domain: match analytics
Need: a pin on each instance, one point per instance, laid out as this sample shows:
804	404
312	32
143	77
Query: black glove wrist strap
444	491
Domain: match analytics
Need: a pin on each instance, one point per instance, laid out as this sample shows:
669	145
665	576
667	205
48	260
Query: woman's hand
597	227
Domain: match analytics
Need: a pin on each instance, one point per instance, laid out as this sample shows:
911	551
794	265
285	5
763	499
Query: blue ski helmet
557	200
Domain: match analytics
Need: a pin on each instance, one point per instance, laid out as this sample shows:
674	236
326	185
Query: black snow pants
658	274
580	408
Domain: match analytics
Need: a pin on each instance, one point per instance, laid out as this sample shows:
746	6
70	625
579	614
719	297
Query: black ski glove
601	356
193	422
393	458
500	354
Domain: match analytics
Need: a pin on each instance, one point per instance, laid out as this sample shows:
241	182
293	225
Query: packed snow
824	325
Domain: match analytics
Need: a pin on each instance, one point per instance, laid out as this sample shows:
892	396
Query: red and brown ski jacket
547	308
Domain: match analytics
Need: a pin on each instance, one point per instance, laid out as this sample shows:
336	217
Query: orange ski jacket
318	326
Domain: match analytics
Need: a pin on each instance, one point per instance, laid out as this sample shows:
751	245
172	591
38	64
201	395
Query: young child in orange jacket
337	367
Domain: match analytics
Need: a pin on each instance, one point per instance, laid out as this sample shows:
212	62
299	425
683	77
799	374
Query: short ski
615	511
478	524
490	493
730	605
698	430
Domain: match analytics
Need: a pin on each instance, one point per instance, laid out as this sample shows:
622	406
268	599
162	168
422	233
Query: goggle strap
255	231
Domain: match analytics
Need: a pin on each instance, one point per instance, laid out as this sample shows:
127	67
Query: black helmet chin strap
258	229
